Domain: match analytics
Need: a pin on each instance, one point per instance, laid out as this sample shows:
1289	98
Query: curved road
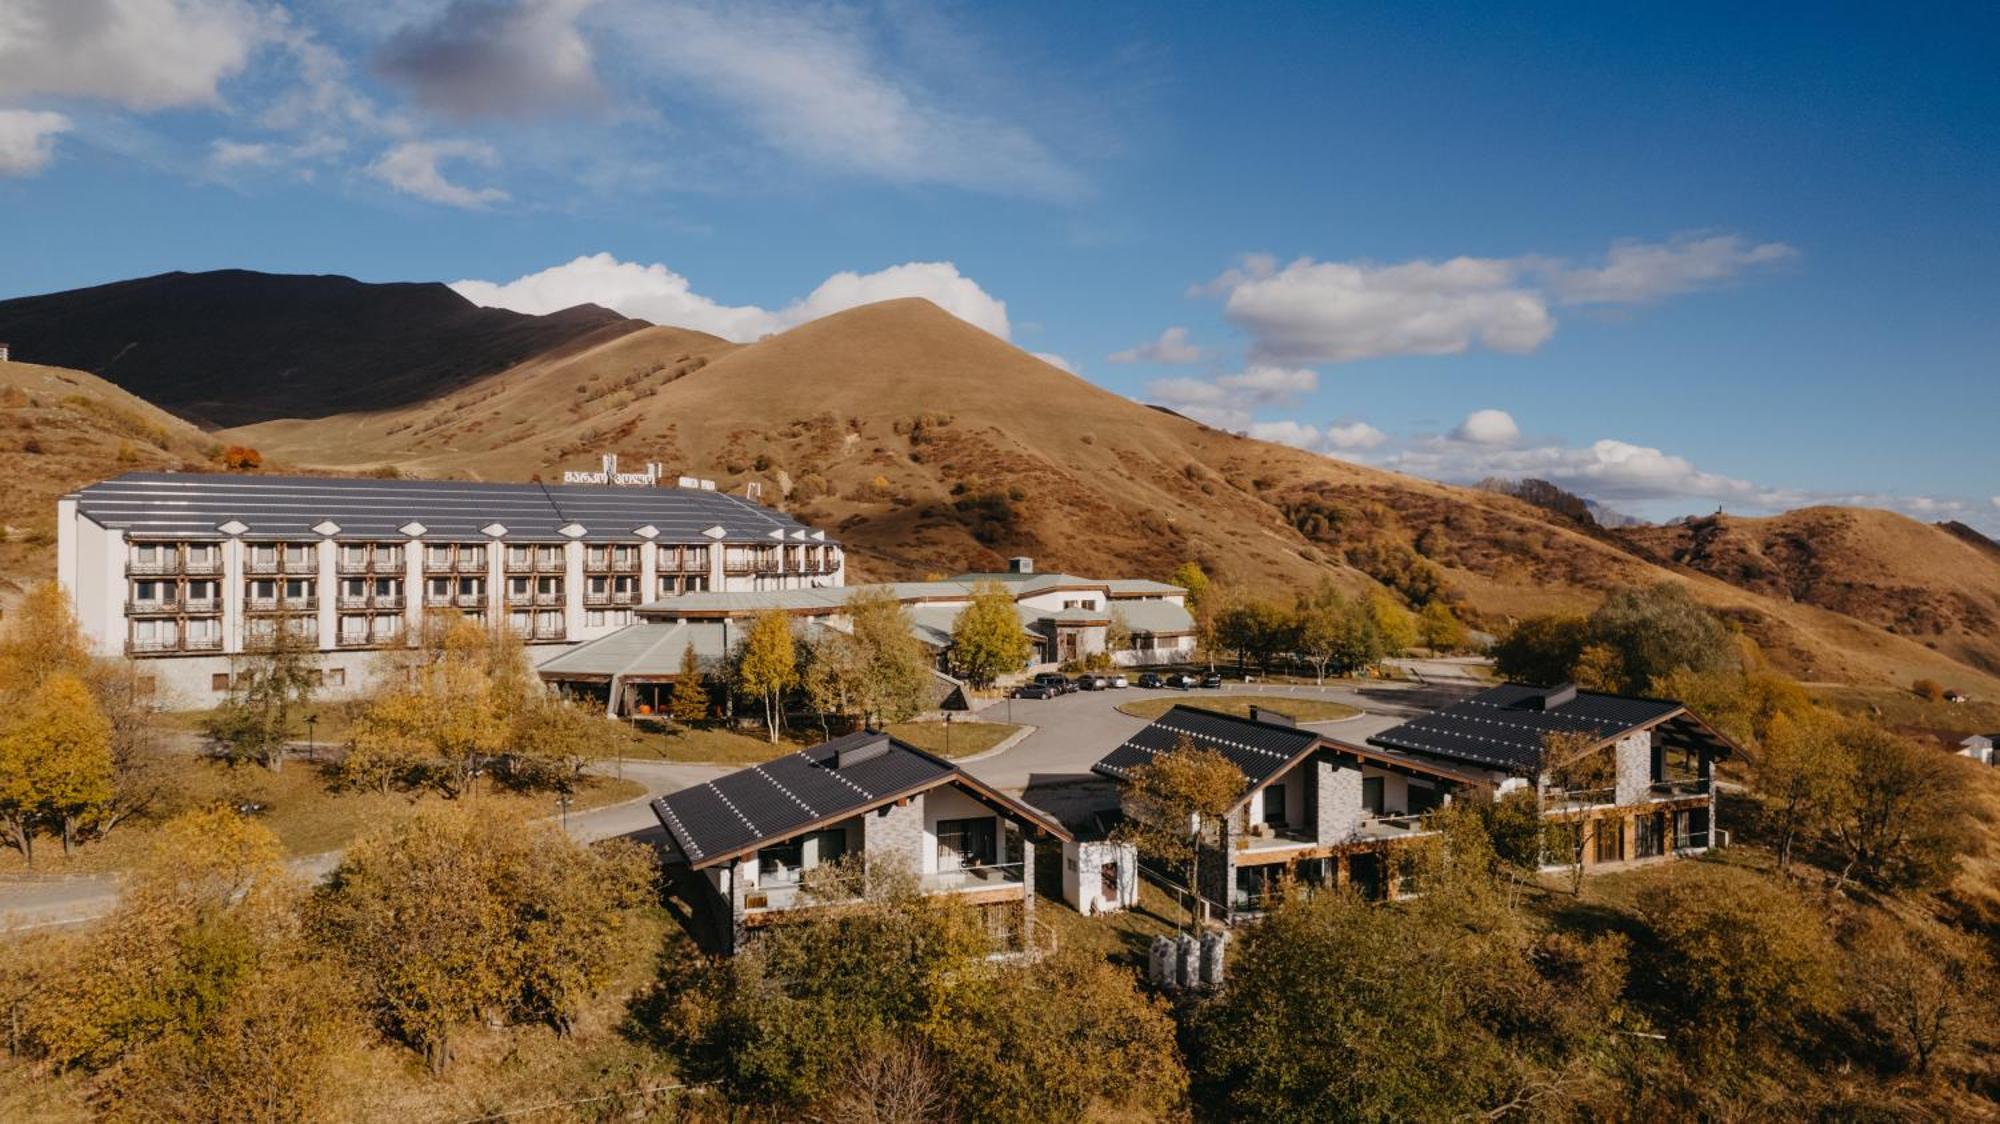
1050	767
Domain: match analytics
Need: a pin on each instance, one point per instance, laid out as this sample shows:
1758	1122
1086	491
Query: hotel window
354	588
518	589
437	556
597	557
597	586
262	589
549	586
625	557
519	557
667	586
148	554
354	629
353	554
202	554
549	557
1608	841
263	554
385	628
695	583
204	628
625	586
438	589
470	555
298	589
548	622
521	621
388	587
388	557
151	592
471	587
297	555
593	618
155	633
620	617
203	592
696	558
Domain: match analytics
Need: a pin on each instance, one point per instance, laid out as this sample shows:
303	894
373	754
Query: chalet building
185	572
744	846
1330	812
1979	747
1066	618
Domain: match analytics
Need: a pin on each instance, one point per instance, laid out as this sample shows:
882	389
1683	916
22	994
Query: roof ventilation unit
1269	717
850	756
1555	698
1021	565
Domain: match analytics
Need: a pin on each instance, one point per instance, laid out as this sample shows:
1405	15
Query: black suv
1212	681
1151	679
1056	683
1035	691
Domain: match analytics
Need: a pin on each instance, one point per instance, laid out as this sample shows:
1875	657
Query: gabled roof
734	815
1259	749
1506	726
195	505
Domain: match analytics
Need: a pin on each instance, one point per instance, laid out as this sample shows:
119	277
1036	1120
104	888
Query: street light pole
312	745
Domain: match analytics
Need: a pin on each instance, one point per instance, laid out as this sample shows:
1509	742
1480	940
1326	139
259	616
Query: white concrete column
649	571
329	589
715	552
572	589
66	545
232	595
413	587
496	576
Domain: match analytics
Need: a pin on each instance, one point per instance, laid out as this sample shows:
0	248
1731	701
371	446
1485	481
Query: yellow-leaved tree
987	640
450	708
55	761
1176	803
767	664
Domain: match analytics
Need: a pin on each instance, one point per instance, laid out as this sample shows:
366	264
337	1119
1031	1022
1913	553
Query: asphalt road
1050	768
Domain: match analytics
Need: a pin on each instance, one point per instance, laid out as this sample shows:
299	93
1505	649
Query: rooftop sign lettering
609	474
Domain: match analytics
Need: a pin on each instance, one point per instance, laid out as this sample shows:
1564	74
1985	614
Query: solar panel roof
1259	749
770	801
1504	726
196	505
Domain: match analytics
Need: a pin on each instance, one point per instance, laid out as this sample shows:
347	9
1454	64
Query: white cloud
1287	432
495	58
1640	272
1054	360
1335	312
1269	386
1354	436
1606	470
1488	427
142	54
412	167
28	140
1171	348
811	83
656	293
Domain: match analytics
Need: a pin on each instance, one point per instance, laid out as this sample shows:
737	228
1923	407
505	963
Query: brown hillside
62	429
232	346
1908	578
931	445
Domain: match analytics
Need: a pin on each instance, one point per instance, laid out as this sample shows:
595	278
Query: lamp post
947	733
312	744
562	804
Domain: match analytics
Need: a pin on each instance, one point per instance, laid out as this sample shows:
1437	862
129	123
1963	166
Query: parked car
1182	681
1151	680
1056	683
1212	681
1089	683
1118	683
1035	691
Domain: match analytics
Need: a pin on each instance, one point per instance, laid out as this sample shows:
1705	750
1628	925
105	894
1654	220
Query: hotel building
186	572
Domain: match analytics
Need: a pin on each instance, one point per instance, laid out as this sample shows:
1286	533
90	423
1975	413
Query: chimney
1269	717
868	750
1021	564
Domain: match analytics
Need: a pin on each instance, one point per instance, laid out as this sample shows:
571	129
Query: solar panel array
768	801
195	505
1257	748
1504	727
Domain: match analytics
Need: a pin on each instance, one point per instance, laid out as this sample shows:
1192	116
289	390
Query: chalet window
1274	805
1423	798
1371	794
964	843
1650	838
1608	841
1690	829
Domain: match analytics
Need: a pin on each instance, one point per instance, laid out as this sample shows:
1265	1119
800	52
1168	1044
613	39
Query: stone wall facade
1634	755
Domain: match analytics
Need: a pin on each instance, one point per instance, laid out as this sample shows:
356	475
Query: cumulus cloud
1287	432
1640	272
141	54
28	140
1056	361
1311	311
1225	402
812	83
412	167
1171	348
1488	427
1354	436
654	292
495	58
1606	470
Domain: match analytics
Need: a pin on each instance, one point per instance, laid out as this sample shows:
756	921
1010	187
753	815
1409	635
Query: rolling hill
232	346
929	445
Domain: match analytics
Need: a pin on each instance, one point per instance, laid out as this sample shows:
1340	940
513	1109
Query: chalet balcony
1577	799
776	893
969	878
1679	789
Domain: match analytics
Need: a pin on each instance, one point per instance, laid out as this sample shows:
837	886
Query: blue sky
1675	258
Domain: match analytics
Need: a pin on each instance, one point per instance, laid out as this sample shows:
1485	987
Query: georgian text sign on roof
609	474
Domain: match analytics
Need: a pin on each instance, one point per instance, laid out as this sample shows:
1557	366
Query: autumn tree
448	707
552	742
689	702
55	761
270	692
207	911
1318	624
1204	605
1904	818
456	913
1442	631
1658	629
40	638
1394	625
1175	804
1804	772
1256	630
987	639
767	665
1542	650
895	667
1575	772
1925	985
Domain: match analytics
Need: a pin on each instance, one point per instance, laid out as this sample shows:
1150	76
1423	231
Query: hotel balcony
156	607
596	599
154	647
542	598
355	567
280	604
202	566
469	600
372	601
550	632
165	566
202	605
202	643
470	565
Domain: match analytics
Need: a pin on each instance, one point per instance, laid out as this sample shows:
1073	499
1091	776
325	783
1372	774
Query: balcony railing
170	565
784	892
1573	799
988	877
360	565
372	601
470	565
202	643
153	647
202	605
543	597
469	600
153	607
550	632
1678	789
200	566
596	597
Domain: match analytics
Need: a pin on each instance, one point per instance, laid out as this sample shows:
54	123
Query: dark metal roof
1505	726
753	807
1260	749
197	505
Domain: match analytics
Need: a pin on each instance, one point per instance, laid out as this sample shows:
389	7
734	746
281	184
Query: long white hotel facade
186	572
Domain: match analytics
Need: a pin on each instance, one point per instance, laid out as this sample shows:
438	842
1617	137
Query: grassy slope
827	418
